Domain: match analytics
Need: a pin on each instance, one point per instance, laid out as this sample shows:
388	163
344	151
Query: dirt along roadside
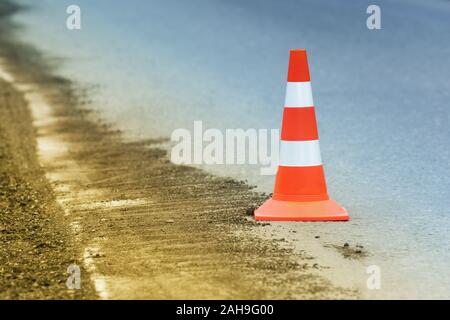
138	226
35	246
145	228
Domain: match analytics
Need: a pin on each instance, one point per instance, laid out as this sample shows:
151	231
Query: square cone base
276	210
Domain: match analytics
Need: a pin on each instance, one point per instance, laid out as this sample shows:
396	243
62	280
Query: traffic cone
300	188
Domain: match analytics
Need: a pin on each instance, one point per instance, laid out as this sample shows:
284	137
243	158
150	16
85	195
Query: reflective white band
300	153
298	94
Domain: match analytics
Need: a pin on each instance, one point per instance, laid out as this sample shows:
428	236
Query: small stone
170	221
250	211
346	245
317	237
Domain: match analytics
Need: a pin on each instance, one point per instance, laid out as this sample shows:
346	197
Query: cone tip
298	66
298	50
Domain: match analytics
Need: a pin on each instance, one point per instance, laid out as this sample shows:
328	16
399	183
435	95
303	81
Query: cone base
276	210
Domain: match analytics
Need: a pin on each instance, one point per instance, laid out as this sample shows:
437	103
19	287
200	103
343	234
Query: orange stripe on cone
308	185
300	187
299	124
298	66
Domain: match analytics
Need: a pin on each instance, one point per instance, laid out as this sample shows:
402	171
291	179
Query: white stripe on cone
300	153
298	95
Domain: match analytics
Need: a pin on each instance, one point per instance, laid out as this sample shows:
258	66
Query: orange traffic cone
300	187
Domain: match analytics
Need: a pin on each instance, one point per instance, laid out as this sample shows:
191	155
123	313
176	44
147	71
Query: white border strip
298	95
300	153
5	75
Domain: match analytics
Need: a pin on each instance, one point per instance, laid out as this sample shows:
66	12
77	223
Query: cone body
300	187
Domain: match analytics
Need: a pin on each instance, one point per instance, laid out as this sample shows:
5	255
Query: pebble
170	221
250	211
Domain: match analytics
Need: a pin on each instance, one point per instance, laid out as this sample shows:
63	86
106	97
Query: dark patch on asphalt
351	252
